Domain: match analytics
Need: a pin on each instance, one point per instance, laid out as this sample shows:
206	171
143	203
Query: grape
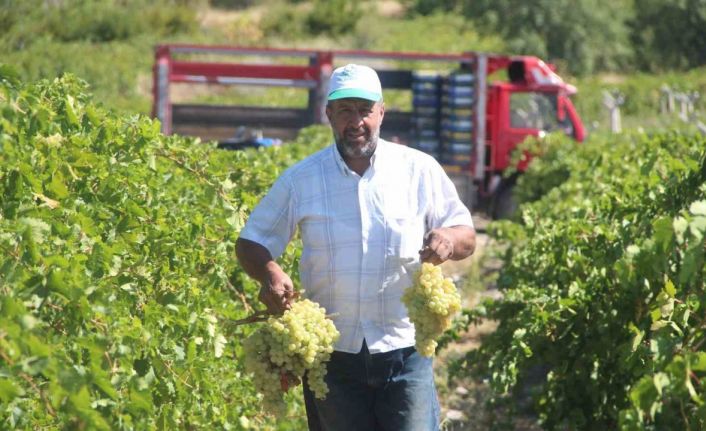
431	301
296	343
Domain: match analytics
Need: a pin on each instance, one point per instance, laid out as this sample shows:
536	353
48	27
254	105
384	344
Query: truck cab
533	102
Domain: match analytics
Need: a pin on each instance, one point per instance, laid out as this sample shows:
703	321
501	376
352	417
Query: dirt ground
463	402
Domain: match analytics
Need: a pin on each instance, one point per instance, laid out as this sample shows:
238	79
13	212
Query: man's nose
356	119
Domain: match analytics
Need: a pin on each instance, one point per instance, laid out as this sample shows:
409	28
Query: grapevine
296	344
432	302
603	286
117	270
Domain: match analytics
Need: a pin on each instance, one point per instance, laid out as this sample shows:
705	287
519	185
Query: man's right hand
277	290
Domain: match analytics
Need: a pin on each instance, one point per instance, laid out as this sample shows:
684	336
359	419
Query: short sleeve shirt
359	234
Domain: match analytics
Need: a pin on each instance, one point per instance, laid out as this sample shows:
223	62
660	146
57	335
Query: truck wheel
504	205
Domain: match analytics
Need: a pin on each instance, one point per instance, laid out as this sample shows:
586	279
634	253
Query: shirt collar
341	164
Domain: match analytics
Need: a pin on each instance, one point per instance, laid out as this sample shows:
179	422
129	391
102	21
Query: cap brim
354	93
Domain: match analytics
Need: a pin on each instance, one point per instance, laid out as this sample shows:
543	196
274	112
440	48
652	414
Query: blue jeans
392	391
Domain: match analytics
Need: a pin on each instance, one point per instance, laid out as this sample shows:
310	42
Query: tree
333	17
669	35
585	35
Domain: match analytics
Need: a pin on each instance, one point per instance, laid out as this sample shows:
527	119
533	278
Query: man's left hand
438	247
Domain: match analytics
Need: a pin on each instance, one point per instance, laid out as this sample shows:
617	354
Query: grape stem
258	316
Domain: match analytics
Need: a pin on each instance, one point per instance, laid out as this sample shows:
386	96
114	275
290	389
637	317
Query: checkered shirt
359	234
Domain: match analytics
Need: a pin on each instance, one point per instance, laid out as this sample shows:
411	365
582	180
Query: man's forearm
442	244
255	259
276	288
464	241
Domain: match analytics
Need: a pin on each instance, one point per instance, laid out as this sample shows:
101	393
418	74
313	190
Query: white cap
354	80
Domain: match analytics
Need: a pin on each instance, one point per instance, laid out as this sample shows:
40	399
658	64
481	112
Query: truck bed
220	122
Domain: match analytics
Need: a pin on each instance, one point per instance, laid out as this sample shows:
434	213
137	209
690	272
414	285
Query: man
367	209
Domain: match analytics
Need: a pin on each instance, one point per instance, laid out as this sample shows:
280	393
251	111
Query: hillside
110	45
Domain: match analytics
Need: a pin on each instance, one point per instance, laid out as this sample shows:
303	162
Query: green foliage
105	42
108	42
232	4
643	96
118	270
285	21
590	35
604	286
451	34
333	17
426	7
322	17
581	35
93	20
112	68
549	167
669	35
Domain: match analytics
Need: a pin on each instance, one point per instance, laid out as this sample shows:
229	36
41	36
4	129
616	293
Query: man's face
356	125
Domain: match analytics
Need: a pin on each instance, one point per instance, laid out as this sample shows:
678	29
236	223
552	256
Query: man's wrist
271	270
272	266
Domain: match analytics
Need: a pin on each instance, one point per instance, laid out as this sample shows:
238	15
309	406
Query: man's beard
350	150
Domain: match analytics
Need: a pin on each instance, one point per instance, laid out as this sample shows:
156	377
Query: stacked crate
426	109
457	105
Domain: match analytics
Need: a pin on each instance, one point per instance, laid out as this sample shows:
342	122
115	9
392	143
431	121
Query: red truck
469	122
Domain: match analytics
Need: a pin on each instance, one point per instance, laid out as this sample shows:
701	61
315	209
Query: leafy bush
669	35
603	288
584	37
643	95
330	18
118	268
441	33
106	42
646	35
232	4
95	20
288	22
333	17
111	69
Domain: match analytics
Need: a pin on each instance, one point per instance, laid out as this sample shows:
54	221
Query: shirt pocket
404	220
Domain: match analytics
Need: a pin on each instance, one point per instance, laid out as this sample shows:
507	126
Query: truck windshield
537	110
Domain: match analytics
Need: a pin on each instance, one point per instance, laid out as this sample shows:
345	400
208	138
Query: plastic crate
425	123
456	136
457	102
456	125
426	102
457	91
428	144
425	111
460	113
426	133
457	148
460	164
461	78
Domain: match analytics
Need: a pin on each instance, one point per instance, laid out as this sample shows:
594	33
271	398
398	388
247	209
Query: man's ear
328	112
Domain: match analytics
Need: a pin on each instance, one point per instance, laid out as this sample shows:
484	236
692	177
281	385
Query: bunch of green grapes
299	341
431	301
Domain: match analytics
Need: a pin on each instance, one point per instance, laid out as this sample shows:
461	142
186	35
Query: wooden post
613	100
